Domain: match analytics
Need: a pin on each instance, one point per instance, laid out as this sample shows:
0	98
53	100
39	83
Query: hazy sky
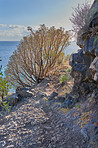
16	15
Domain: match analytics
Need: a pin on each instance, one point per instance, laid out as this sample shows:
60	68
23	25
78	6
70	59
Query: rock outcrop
85	62
85	73
23	92
12	99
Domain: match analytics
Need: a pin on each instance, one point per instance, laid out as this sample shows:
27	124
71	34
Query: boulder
23	92
92	17
69	102
94	69
90	47
85	74
82	35
60	99
12	99
85	62
51	97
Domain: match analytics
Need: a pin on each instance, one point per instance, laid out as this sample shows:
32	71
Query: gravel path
28	125
34	124
21	127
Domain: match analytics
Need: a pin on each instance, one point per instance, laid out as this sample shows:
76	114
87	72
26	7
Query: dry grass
55	75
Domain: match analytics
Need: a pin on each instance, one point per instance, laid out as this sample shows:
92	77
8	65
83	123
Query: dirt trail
31	124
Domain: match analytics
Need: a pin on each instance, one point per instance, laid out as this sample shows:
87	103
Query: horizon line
9	41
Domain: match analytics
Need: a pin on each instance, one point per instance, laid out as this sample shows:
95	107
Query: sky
17	15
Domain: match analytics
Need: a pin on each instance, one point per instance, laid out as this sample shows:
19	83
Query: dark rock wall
85	62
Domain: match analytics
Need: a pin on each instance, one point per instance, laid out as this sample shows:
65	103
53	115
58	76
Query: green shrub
78	106
69	69
64	78
4	88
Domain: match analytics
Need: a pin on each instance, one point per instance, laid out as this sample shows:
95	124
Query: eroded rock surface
85	70
85	62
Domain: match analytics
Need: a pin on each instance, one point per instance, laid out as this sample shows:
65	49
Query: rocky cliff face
85	62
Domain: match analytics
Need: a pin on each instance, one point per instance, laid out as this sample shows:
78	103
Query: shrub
4	88
64	78
4	85
69	69
36	55
79	16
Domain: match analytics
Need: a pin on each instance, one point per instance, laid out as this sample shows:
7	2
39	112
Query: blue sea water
6	50
8	47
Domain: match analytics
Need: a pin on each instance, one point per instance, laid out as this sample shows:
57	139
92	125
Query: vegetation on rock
79	16
64	78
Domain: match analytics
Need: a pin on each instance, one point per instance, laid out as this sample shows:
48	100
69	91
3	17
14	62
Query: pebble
47	127
2	143
10	146
53	139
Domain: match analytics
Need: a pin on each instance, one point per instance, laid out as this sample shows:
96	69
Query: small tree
36	55
79	16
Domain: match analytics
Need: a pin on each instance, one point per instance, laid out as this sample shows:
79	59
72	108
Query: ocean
6	50
8	47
